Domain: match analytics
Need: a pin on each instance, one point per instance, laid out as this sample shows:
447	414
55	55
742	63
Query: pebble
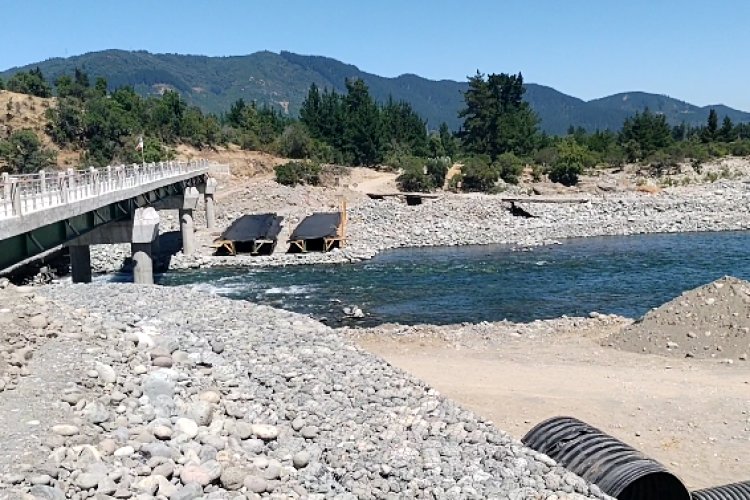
186	426
65	429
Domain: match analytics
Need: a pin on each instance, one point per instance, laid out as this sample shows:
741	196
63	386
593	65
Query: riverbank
453	219
129	390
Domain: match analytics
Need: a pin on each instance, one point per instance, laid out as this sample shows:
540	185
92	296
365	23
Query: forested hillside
282	81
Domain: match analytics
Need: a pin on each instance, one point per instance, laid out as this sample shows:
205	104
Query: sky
688	49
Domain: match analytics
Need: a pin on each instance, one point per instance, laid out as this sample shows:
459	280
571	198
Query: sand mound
712	321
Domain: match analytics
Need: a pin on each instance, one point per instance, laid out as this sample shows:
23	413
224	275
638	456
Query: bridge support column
187	228
80	263
188	231
145	231
210	203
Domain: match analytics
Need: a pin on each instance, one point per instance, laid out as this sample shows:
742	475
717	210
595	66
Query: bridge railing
24	194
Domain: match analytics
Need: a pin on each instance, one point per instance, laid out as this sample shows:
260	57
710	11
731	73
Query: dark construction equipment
735	491
319	232
618	469
255	234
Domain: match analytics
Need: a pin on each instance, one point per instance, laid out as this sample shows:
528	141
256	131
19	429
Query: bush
566	173
478	175
293	173
437	169
23	153
740	148
510	167
295	142
662	163
414	179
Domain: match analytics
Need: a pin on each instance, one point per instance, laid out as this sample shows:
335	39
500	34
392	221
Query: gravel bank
470	219
169	393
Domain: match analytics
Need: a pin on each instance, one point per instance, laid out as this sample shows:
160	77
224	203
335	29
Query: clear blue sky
689	49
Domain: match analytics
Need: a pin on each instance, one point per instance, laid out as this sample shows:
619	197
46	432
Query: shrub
740	148
478	175
509	167
23	153
292	173
537	171
566	173
295	142
437	169
414	179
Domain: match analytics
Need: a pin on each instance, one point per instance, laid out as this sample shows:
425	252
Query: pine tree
362	131
311	112
726	132
643	133
496	119
712	126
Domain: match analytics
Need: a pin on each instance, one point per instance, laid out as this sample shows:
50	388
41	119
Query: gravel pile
149	392
712	321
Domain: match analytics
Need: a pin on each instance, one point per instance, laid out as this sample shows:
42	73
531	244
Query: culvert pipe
618	469
735	491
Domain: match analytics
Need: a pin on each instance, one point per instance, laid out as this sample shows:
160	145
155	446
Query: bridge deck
31	201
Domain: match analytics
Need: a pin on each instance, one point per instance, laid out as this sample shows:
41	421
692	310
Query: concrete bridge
43	212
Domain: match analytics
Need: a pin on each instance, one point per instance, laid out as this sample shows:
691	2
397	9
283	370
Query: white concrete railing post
43	181
95	180
15	197
109	178
71	184
6	185
62	183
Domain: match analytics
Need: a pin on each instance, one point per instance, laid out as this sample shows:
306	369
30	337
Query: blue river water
624	275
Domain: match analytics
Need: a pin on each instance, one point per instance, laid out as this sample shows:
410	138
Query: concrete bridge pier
80	263
187	228
210	203
145	232
142	232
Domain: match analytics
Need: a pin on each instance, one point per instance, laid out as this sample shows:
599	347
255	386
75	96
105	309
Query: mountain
282	80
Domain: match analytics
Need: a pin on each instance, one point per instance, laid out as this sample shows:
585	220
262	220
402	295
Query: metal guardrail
25	194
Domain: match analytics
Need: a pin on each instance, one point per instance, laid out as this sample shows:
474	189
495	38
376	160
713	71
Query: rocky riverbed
377	225
124	391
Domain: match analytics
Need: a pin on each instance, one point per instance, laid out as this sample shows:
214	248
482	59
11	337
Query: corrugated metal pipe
618	469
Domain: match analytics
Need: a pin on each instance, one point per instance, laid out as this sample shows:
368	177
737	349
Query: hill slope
282	80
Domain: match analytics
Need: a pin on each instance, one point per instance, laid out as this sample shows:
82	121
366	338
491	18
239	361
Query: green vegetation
106	126
357	129
32	83
22	153
422	175
295	172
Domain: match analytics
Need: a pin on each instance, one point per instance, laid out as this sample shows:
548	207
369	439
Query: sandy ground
692	415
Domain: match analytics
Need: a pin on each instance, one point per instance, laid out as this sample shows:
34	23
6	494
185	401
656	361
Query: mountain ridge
282	80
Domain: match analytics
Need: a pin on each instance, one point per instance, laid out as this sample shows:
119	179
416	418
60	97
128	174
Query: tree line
499	139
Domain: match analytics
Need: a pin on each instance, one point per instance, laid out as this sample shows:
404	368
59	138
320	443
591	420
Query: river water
623	275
